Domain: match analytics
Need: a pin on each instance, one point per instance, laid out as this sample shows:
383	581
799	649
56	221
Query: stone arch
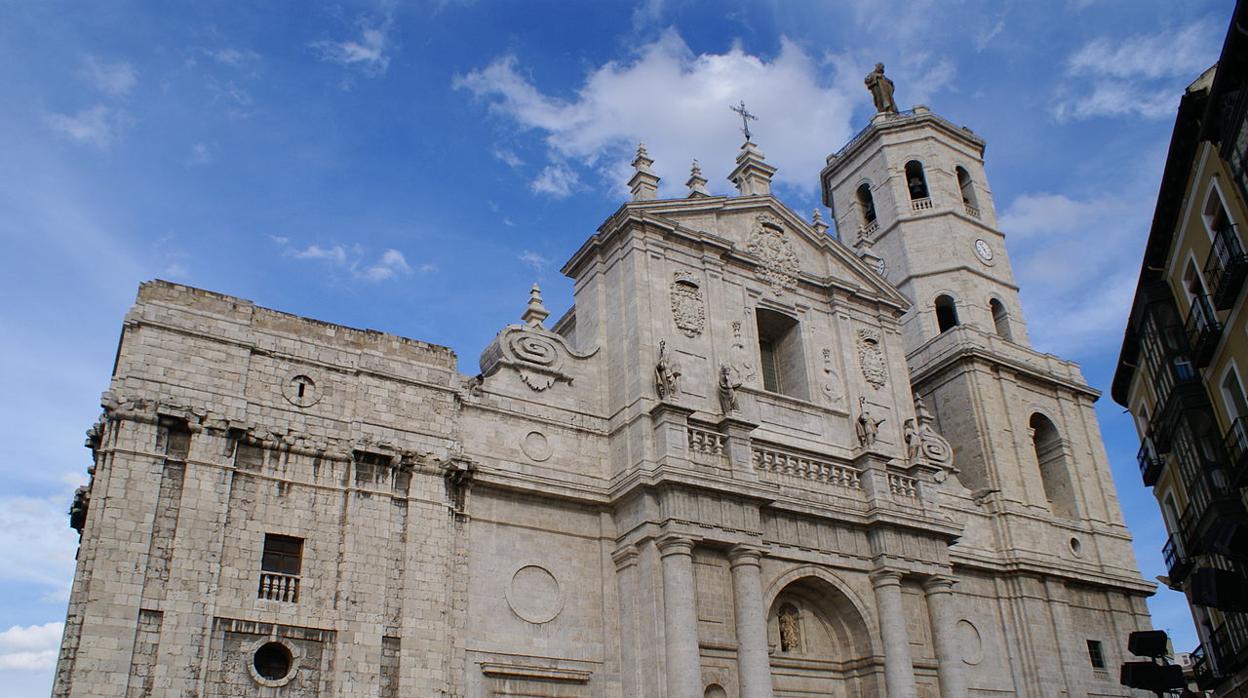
1051	458
827	647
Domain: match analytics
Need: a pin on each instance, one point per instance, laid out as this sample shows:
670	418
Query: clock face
880	266
983	250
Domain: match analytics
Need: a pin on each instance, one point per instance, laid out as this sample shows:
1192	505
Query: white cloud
354	260
508	157
113	79
367	52
233	57
557	180
32	647
677	102
201	154
1135	75
99	126
37	544
534	260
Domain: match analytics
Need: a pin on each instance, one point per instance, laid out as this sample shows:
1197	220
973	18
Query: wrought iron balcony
1185	396
1226	267
1229	643
1237	451
1202	669
1151	464
1203	330
1178	564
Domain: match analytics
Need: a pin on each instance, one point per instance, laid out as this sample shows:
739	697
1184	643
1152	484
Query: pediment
783	248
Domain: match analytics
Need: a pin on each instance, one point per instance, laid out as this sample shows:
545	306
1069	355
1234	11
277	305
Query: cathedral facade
752	460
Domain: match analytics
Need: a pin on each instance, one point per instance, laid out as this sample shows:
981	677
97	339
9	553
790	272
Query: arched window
1000	318
916	181
866	203
946	313
969	199
1054	473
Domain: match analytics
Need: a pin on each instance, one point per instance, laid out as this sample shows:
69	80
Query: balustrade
784	463
924	204
278	587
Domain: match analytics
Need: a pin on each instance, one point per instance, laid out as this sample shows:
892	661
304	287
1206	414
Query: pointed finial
752	175
536	312
696	183
644	183
816	222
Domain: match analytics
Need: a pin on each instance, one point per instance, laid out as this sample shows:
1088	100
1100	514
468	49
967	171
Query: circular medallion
984	250
969	640
272	662
534	594
536	446
301	389
881	266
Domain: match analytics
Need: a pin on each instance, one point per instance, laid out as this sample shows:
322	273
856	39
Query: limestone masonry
751	460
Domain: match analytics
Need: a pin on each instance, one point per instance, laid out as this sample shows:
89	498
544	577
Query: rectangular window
781	359
1095	654
767	357
282	554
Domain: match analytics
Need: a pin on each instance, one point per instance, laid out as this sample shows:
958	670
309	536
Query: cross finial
746	118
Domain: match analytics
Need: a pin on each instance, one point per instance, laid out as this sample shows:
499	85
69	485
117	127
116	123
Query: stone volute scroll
923	444
666	374
540	356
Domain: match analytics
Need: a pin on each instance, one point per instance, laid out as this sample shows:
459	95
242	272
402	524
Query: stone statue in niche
790	629
881	89
688	309
728	384
871	358
868	427
914	445
666	374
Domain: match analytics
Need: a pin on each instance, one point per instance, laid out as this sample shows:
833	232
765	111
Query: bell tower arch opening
1054	470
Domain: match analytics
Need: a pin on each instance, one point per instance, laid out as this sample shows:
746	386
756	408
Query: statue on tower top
881	89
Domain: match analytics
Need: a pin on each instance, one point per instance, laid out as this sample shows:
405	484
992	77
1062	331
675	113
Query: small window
1095	654
1217	220
946	313
781	358
282	554
916	181
1000	318
273	661
1233	396
866	203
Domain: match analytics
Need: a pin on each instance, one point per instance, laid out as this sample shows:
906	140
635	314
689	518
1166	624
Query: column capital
744	555
625	557
886	576
937	584
671	544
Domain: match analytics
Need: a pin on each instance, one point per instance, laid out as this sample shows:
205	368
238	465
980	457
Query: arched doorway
819	643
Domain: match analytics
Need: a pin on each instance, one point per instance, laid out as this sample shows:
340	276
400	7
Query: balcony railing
1203	330
1178	564
868	230
1229	643
1202	670
1150	463
278	587
971	211
708	447
1226	267
1237	451
794	465
903	486
924	204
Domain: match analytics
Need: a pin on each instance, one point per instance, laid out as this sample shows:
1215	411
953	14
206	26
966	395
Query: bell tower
910	197
909	194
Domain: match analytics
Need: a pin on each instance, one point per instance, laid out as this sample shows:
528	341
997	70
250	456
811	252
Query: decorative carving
537	354
688	308
871	358
790	629
729	381
741	359
666	374
780	263
868	427
922	441
534	594
536	446
831	380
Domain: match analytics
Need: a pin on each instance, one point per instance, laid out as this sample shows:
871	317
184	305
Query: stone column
753	662
898	668
684	664
940	611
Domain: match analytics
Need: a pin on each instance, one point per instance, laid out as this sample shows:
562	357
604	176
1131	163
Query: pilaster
753	662
684	665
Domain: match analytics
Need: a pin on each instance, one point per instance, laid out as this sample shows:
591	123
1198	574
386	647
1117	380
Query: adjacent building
1181	371
751	460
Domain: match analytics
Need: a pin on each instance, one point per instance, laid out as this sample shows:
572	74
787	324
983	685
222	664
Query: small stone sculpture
881	89
914	443
868	427
728	384
666	374
790	629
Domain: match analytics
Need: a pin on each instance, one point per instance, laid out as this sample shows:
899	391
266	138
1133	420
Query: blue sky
413	167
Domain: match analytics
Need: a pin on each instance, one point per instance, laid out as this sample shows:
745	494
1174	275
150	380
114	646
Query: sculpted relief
688	307
871	358
780	264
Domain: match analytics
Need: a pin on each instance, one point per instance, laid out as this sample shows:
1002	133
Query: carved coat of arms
780	263
688	308
871	358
